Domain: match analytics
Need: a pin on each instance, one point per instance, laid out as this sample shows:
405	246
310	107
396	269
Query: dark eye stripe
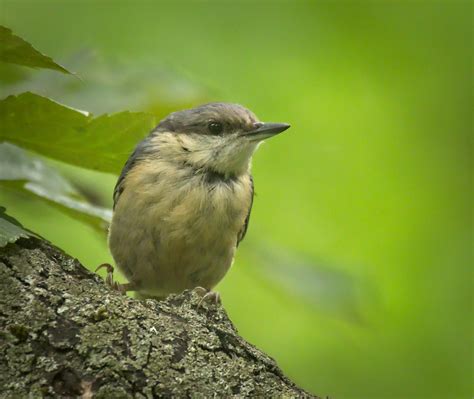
215	127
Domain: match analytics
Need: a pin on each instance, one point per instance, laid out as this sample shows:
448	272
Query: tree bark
65	334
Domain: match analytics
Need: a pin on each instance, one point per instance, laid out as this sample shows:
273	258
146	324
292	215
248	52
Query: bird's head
220	137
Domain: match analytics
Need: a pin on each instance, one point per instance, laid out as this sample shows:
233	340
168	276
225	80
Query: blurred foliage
22	172
108	86
320	285
373	183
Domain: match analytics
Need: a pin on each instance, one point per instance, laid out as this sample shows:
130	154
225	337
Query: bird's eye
215	127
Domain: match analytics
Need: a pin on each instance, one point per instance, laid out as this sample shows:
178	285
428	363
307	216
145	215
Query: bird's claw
109	278
207	295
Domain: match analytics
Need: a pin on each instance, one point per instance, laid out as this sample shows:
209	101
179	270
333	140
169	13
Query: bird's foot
207	295
110	282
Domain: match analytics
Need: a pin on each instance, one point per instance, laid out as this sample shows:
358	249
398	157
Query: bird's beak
265	130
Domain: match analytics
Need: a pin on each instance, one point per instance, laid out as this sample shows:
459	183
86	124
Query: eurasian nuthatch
182	202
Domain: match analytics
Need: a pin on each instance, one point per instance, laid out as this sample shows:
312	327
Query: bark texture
65	334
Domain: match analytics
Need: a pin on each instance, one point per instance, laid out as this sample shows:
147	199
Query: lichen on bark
65	334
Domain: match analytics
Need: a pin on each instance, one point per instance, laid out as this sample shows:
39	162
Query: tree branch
63	333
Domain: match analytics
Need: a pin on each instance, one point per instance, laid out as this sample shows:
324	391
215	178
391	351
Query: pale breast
170	233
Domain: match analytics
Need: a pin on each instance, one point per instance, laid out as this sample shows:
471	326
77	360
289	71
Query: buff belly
171	237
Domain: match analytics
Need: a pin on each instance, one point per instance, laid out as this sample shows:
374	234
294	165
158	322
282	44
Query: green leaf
69	135
32	176
15	50
10	229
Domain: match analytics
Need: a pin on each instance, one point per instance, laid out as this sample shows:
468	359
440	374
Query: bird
183	200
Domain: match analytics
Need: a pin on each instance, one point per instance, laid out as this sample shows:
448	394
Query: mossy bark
65	334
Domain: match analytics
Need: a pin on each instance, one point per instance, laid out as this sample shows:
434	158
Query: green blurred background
356	271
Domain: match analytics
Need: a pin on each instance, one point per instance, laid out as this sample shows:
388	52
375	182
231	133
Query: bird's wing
243	230
131	161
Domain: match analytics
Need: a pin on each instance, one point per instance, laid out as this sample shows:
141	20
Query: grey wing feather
131	162
244	228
